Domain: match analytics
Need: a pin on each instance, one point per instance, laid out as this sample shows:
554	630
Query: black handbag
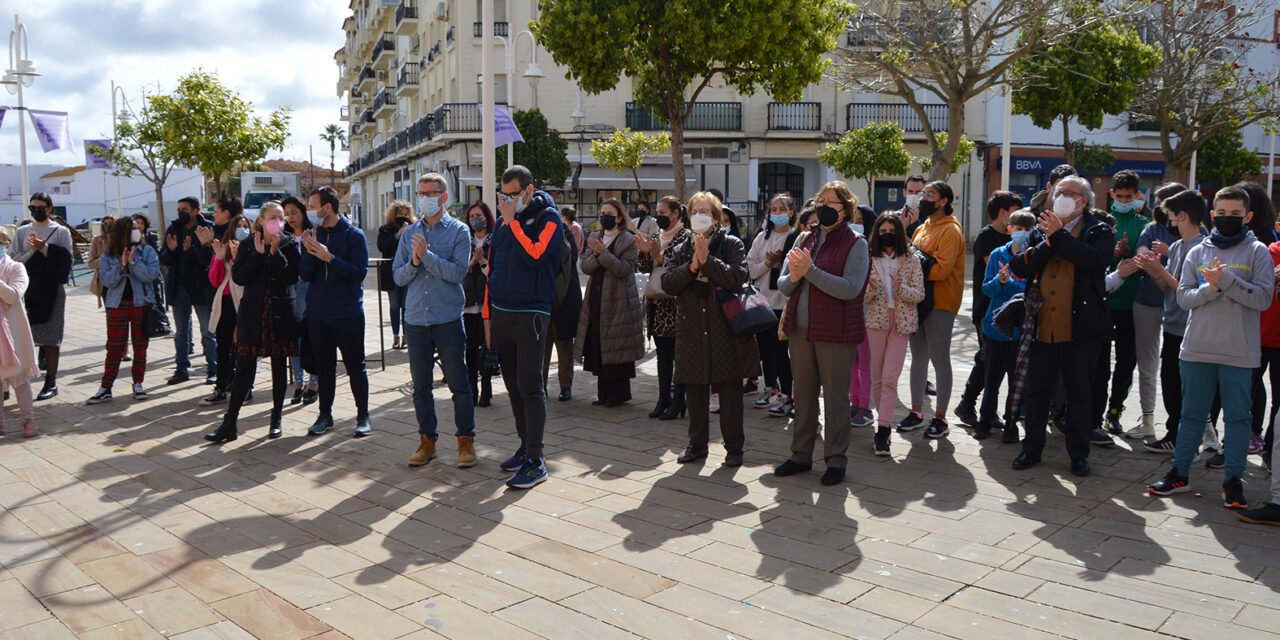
747	311
157	322
490	363
924	307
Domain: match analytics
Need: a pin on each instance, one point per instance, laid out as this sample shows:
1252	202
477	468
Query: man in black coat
187	289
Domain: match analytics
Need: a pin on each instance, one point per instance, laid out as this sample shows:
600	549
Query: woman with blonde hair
610	325
226	302
398	217
17	350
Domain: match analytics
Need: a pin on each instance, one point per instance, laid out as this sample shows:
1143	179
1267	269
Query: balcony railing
449	35
408	75
1145	126
860	114
344	112
384	100
457	117
499	29
366	74
414	134
706	116
407	10
795	116
385	44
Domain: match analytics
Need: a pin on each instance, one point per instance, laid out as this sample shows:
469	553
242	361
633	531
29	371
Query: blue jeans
301	378
450	340
395	299
1199	381
182	309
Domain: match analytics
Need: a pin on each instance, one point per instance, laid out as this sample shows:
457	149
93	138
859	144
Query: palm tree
334	135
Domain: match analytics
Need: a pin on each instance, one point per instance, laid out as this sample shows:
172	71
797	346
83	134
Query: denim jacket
142	273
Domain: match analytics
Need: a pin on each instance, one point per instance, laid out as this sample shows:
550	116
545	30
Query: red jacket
1271	317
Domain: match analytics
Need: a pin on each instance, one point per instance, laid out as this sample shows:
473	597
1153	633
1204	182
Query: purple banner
504	128
93	160
52	129
3	110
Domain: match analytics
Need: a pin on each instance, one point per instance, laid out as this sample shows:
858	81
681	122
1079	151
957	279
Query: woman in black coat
266	268
399	215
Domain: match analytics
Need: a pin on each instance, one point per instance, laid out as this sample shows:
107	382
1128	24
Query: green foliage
874	150
211	128
544	150
963	151
672	50
1092	159
626	150
334	135
139	149
1224	159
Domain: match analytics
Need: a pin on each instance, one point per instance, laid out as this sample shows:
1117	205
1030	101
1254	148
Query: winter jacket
1089	252
187	268
941	238
267	277
337	287
524	258
999	293
621	318
908	291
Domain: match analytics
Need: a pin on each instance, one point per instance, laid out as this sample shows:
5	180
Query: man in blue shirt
430	264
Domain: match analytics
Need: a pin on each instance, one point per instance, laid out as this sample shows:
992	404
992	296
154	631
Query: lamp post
533	74
21	73
115	138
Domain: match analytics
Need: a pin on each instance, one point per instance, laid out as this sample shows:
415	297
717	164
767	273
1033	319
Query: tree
626	150
139	149
964	149
207	126
1092	159
1225	160
673	50
874	150
1090	73
952	51
1204	86
334	135
544	151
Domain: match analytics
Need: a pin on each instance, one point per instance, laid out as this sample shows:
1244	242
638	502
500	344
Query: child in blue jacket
1001	353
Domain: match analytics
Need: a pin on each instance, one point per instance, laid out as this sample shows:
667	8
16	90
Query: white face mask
701	223
913	201
1064	205
135	236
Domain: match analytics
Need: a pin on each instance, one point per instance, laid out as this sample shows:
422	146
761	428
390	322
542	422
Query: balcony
367	121
499	29
458	117
706	116
386	44
795	116
384	102
860	114
367	78
407	18
344	113
407	81
449	36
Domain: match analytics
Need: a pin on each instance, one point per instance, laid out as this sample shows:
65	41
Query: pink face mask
274	227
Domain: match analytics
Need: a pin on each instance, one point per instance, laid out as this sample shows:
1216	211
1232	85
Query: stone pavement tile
133	629
267	617
327	560
913	633
445	616
20	545
87	608
963	624
20	607
957	548
595	569
1131	588
475	589
20	494
520	573
640	617
470	526
206	534
172	611
275	570
647	511
224	630
206	579
276	503
1264	618
388	551
385	587
684	570
739	617
762	540
363	619
824	614
1134	614
555	621
142	537
1150	551
1009	583
1226	529
327	498
926	562
1249	591
894	605
126	575
329	527
553	528
48	629
1185	625
47	577
797	577
635	531
1141	532
602	477
1077	547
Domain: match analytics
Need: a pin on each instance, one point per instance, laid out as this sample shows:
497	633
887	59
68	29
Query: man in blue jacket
187	289
523	266
334	261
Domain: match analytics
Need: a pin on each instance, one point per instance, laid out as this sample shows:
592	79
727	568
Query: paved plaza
119	522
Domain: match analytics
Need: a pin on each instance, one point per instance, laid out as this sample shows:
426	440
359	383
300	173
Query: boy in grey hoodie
1227	281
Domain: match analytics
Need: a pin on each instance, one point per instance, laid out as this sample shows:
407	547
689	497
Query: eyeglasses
431	194
1069	194
703	211
35	208
508	198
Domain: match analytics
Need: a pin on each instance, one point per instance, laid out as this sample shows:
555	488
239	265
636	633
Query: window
782	177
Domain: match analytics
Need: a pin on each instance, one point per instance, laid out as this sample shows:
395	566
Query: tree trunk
871	197
1067	147
332	177
677	151
942	158
159	187
639	192
217	187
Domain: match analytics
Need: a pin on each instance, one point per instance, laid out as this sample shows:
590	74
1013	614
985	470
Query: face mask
608	222
4	251
857	228
928	207
242	234
39	214
701	223
1123	207
520	204
827	216
1230	226
135	236
888	241
664	222
274	227
428	207
780	219
314	218
184	217
1064	205
479	224
641	213
913	201
1021	238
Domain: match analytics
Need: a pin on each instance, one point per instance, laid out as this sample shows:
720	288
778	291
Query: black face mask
664	222
641	213
888	241
608	222
928	208
1229	226
827	216
184	217
39	214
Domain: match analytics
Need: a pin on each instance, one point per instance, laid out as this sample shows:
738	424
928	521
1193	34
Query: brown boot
466	451
426	451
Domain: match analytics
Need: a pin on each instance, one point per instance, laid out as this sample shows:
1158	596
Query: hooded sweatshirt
524	259
1223	326
336	290
942	238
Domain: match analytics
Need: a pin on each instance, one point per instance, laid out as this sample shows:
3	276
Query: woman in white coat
17	349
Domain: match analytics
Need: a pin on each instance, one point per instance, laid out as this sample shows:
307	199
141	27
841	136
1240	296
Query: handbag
925	306
490	363
157	322
653	289
747	311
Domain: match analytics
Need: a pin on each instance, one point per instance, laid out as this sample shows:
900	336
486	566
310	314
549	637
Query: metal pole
1191	179
1006	163
115	140
488	158
511	99
1271	160
22	141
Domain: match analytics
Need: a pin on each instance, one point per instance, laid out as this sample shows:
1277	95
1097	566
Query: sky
272	52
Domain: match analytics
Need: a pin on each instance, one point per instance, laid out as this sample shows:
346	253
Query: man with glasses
1066	266
524	262
187	289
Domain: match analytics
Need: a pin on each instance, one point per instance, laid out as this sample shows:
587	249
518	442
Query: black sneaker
178	378
912	422
1100	438
310	396
217	397
1266	514
1233	494
297	396
1163	445
966	415
1170	484
938	428
1113	422
514	462
929	389
1216	461
881	446
1010	434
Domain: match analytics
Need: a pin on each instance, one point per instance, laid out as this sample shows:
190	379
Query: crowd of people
1180	290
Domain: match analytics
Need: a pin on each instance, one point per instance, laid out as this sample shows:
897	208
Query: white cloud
273	52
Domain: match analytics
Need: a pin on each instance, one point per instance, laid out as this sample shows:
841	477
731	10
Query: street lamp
533	74
115	138
21	73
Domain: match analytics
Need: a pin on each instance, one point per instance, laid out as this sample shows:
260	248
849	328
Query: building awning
592	177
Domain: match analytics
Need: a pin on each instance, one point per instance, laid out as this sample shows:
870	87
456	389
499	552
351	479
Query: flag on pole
504	128
52	129
91	159
2	112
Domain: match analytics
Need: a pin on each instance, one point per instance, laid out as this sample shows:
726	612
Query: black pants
1270	361
246	371
1077	363
775	360
225	333
328	338
519	339
1002	356
668	394
699	396
977	381
1126	349
481	387
1171	383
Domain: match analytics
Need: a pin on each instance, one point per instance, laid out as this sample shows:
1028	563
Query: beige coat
96	249
621	321
13	284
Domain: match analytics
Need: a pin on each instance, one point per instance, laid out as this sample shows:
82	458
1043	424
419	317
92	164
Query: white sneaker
783	408
1210	440
1145	429
139	393
780	400
715	403
766	399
